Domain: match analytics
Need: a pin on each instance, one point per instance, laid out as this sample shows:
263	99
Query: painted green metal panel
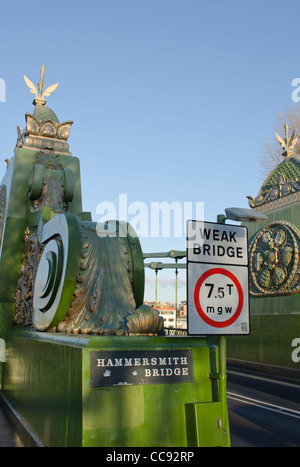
206	425
47	379
269	342
275	321
147	415
43	381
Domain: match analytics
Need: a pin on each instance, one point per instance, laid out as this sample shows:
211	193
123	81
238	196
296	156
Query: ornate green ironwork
70	279
281	187
274	260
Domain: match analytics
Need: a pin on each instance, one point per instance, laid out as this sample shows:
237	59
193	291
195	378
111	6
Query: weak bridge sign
217	279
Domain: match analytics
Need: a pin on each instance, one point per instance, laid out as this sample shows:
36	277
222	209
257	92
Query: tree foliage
272	153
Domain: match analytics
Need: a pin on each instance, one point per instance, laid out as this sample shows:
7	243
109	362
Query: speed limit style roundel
211	308
218	300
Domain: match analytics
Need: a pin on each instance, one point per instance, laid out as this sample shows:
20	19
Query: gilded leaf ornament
31	86
39	92
288	143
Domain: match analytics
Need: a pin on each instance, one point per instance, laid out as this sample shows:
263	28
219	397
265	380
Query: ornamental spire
39	92
288	143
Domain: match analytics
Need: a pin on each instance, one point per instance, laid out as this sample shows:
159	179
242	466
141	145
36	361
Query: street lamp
241	215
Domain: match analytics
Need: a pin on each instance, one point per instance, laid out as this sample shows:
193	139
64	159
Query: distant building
168	312
182	309
169	316
182	315
182	323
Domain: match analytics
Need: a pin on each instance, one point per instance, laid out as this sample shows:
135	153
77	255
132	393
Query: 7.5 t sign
217	279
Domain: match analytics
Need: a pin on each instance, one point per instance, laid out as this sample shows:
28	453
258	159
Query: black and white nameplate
114	368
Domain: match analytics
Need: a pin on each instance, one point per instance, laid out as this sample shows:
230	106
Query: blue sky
171	100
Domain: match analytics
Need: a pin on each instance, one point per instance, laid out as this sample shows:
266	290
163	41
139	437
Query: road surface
264	411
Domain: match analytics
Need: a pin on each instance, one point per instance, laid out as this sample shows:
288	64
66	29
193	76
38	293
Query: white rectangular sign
208	242
217	279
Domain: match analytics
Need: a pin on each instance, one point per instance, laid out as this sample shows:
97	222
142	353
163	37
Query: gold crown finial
40	94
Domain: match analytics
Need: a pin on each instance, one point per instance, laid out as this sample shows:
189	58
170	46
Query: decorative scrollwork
274	260
24	294
57	270
74	281
104	301
282	189
49	184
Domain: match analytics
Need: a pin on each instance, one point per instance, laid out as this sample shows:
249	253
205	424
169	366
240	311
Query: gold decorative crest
39	92
274	260
288	143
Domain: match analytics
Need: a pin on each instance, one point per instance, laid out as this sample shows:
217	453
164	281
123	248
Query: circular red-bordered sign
234	317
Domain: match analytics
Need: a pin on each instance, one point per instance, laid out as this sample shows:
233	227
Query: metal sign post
217	286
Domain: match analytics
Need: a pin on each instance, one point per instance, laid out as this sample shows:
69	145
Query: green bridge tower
87	363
